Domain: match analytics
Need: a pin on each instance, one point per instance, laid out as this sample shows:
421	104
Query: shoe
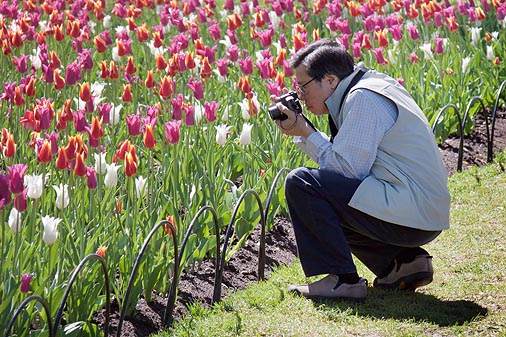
329	287
408	276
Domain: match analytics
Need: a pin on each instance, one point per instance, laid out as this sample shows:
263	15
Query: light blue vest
407	184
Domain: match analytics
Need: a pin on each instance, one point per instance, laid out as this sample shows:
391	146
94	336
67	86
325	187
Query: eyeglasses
300	88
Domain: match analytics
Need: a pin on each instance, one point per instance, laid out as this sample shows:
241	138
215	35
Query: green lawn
467	297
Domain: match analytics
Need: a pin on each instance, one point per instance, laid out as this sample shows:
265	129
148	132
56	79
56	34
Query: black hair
322	57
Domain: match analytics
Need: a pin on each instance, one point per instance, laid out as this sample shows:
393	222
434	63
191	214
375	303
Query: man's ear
332	80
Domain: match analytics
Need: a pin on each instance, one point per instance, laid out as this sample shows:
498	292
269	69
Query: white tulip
245	138
141	186
475	35
224	117
221	134
115	115
62	196
50	229
100	164
34	185
490	53
465	64
111	177
244	109
427	50
15	220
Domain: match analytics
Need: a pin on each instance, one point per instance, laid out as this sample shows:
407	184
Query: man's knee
295	180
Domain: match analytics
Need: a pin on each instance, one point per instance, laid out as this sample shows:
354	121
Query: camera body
290	100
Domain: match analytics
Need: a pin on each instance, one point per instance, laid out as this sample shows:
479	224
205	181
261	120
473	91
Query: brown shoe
408	276
329	287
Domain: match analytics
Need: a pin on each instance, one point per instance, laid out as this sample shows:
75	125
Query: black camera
291	101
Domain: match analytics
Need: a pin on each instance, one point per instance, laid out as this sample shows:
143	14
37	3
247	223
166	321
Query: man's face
313	92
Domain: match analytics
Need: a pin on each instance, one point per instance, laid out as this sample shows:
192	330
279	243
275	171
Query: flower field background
118	115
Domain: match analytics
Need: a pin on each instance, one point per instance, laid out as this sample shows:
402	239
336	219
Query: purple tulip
17	178
25	283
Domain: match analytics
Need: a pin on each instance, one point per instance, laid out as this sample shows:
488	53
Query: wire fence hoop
23	304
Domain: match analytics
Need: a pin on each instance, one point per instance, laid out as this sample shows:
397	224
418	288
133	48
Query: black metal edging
22	306
460	129
136	267
69	287
487	123
494	112
172	299
261	250
271	191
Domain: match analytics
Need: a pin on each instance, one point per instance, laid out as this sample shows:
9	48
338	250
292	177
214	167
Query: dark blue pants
328	231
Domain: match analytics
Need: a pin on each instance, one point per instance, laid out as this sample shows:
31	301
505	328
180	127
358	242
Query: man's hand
295	124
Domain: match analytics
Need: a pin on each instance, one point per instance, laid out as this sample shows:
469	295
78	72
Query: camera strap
332	125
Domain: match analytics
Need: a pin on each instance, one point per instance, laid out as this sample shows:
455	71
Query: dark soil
280	248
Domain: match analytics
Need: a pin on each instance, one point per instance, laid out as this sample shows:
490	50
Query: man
380	191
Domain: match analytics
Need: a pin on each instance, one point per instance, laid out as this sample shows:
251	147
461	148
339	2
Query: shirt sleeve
368	117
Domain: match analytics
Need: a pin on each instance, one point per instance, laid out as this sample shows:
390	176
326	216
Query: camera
291	101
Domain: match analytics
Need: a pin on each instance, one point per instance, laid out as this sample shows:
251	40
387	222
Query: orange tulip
122	51
84	92
149	82
54	60
80	166
165	88
19	100
122	149
30	87
61	160
59	82
45	155
96	128
101	251
157	40
381	37
58	33
100	44
149	137
17	38
130	66
74	29
189	61
127	93
113	70
130	165
10	146
206	69
142	33
104	70
172	221
160	62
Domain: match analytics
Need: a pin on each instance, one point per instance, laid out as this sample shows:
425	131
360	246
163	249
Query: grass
467	297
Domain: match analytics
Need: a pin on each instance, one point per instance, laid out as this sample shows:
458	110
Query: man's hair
322	57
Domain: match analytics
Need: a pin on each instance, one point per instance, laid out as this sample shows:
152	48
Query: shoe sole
408	283
317	298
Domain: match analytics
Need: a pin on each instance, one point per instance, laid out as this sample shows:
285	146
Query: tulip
62	196
149	82
210	110
91	178
221	134
196	87
100	163
20	201
59	82
50	229
5	194
130	66
141	186
134	124
79	166
96	130
490	53
100	44
10	146
101	251
245	138
149	136
127	93
34	185
206	69
172	131
111	176
14	220
172	221
17	174
25	283
166	87
115	114
61	161
130	165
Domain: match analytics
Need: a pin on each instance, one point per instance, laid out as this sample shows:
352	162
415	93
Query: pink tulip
91	178
73	73
246	65
378	52
20	201
265	37
17	177
53	140
177	105
439	45
134	125
104	112
172	131
222	65
5	194
25	283
189	115
232	37
413	32
80	122
233	53
210	110
196	87
214	31
20	63
396	31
